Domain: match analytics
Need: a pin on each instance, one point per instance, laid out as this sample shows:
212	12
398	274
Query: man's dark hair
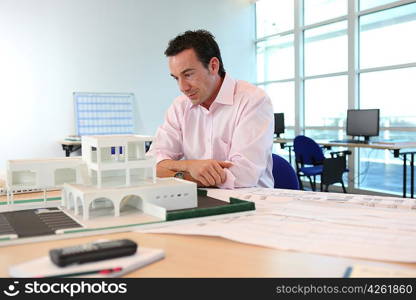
203	43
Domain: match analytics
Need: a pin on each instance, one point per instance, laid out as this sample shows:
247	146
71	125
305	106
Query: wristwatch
179	175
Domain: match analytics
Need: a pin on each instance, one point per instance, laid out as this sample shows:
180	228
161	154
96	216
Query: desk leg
290	155
412	174
404	175
67	149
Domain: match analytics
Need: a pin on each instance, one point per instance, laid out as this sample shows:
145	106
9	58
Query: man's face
198	83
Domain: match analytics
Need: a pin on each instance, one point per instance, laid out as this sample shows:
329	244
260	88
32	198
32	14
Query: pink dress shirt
238	127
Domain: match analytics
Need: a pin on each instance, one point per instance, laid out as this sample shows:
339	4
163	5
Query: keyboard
349	141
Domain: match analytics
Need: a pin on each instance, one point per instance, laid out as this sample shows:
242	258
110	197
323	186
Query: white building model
112	167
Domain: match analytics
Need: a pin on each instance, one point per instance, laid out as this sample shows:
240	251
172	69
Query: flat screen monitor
363	122
279	123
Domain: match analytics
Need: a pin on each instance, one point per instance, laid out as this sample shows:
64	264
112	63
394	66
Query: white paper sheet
323	223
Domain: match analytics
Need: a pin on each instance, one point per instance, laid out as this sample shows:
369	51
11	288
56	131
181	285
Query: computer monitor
363	122
279	123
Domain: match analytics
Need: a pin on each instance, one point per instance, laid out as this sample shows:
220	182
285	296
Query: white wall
52	48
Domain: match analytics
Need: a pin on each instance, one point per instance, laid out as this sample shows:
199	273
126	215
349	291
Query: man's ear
214	65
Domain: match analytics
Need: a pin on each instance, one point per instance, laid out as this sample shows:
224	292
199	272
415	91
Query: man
220	131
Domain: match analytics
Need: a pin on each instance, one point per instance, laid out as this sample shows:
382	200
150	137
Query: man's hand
205	173
209	172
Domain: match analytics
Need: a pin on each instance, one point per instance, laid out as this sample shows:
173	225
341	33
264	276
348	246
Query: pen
102	272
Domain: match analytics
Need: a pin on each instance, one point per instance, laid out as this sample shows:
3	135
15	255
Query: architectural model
112	167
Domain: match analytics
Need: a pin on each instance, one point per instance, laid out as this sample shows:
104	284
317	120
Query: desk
198	256
399	149
70	146
207	256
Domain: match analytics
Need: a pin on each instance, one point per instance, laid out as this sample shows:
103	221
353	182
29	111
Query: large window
317	58
387	54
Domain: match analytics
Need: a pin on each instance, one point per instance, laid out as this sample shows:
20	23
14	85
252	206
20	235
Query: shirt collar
225	95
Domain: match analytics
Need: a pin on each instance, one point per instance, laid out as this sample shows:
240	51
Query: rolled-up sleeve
167	143
251	146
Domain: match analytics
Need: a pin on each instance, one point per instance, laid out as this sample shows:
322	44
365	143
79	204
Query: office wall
52	48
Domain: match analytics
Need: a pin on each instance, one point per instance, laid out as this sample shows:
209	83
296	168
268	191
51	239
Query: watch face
179	175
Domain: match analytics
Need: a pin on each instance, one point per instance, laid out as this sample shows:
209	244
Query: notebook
44	267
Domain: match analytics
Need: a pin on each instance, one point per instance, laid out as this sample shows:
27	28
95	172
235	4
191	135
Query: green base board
235	205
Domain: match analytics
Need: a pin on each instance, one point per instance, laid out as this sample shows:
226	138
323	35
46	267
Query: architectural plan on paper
371	227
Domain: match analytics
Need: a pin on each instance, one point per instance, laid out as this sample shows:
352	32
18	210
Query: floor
384	177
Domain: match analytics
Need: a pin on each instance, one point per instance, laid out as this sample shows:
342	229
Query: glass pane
283	153
326	101
374	174
327	134
274	16
392	91
286	153
320	10
275	59
282	95
387	37
326	49
379	170
366	4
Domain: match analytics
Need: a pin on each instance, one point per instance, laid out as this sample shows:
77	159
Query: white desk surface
204	256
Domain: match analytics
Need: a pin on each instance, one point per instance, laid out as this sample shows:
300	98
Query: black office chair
332	171
311	162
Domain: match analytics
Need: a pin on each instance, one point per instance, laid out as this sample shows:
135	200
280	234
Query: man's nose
183	85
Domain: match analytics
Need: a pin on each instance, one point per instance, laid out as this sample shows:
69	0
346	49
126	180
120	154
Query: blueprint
359	226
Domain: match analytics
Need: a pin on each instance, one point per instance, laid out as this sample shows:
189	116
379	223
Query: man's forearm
162	171
174	165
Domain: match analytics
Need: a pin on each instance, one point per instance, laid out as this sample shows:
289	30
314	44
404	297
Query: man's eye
188	75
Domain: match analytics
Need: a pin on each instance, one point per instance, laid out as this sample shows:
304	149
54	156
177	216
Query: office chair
311	162
284	175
